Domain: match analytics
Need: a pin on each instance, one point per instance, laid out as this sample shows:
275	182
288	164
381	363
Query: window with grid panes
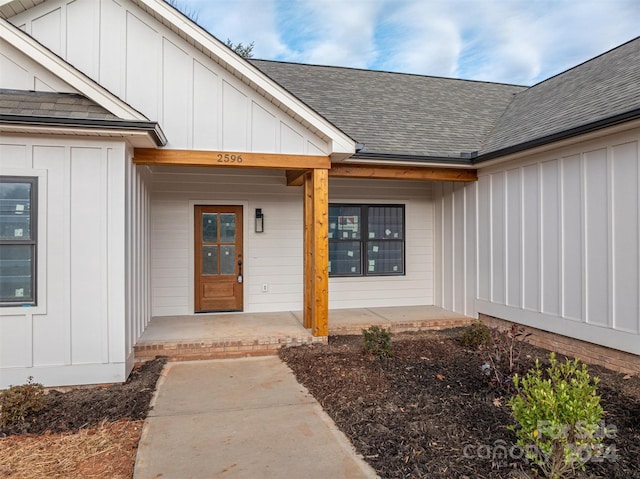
366	240
18	240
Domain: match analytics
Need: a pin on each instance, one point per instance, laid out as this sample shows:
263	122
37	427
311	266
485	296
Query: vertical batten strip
610	241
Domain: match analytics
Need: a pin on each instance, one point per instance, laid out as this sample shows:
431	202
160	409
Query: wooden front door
218	258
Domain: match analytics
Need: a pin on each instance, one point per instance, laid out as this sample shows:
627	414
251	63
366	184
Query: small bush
377	341
476	335
558	414
503	357
18	402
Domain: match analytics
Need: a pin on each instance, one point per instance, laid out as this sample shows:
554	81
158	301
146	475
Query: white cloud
427	38
336	32
512	41
242	21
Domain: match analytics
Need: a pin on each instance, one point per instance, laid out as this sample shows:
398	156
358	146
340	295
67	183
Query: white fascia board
67	73
138	139
341	143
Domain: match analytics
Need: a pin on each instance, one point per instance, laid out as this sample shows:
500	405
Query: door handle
239	271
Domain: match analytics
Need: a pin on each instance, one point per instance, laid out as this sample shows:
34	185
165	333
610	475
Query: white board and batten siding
275	257
199	104
557	242
76	332
19	72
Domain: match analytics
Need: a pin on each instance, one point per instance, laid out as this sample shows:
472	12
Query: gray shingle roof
399	114
606	86
50	104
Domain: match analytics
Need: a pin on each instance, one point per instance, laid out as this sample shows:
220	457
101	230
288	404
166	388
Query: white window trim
41	244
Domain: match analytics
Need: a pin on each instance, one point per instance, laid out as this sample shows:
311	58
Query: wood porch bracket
316	252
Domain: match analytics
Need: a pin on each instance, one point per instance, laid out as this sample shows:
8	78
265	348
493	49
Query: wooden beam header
343	170
227	159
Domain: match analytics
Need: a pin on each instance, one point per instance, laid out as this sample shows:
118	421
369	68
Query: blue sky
510	41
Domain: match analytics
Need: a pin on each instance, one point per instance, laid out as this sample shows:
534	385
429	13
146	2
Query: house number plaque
229	158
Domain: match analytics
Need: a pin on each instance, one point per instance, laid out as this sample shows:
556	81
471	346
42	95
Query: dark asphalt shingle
600	88
51	104
394	113
402	114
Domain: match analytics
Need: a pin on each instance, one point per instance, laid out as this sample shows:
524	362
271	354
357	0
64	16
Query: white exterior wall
19	72
557	242
275	257
198	103
75	333
138	255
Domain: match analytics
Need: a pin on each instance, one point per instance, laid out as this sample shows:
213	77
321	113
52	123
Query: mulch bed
430	412
82	433
84	407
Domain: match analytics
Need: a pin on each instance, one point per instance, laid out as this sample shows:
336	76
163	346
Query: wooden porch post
316	254
307	192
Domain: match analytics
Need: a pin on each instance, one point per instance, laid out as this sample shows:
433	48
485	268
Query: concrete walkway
240	418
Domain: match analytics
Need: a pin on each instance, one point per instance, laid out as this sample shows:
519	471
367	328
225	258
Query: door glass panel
209	260
209	227
227	259
227	227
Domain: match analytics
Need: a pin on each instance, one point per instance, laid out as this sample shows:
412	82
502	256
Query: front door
218	258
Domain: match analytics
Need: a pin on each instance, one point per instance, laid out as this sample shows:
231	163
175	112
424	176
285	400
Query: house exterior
146	170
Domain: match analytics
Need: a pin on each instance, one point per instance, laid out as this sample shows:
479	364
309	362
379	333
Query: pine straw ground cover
82	433
104	451
429	412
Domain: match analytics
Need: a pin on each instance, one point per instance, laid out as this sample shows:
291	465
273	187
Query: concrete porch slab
214	336
396	319
228	335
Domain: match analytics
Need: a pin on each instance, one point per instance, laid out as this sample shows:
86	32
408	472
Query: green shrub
558	414
18	402
377	341
476	335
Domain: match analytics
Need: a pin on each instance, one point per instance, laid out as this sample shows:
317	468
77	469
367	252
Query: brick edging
589	353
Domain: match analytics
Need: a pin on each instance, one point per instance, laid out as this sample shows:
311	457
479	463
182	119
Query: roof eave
505	153
151	128
411	160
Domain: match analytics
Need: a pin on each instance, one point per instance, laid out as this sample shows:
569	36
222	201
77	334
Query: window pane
209	227
345	258
227	227
15	211
209	260
344	222
385	222
385	257
16	266
227	259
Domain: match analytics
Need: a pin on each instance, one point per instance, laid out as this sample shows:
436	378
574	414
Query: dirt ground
429	412
82	433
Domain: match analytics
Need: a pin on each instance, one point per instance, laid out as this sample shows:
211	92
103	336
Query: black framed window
366	240
18	240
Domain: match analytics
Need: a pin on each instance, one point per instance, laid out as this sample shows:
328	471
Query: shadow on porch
229	335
